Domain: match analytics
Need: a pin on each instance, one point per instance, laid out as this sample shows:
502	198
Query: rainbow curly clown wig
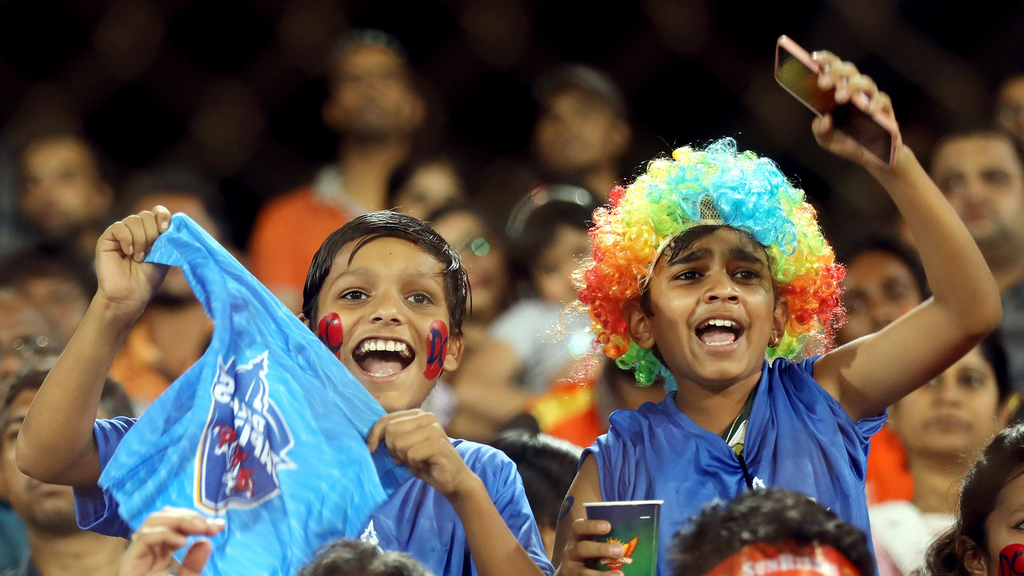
713	186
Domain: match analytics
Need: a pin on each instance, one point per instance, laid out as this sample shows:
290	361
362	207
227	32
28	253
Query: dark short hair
403	173
584	78
113	400
978	498
177	180
347	557
984	130
896	248
765	516
995	354
547	466
388	224
33	264
103	164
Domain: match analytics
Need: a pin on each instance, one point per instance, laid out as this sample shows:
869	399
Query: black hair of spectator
113	399
766	516
177	180
985	130
978	497
540	226
581	77
387	224
994	351
348	557
32	264
892	246
103	164
403	173
547	466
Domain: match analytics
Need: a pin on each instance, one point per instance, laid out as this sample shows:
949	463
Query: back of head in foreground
988	520
347	557
676	202
771	531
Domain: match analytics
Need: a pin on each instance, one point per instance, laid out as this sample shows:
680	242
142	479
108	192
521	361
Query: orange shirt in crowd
289	230
569	411
888	473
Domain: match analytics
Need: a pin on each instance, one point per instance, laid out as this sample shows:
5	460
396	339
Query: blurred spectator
537	341
763	525
377	110
547	466
174	330
981	172
483	254
28	338
60	287
420	187
884	280
582	132
1010	106
577	410
58	547
942	425
988	513
66	194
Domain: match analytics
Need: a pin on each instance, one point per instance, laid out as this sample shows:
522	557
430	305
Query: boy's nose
387	312
720	288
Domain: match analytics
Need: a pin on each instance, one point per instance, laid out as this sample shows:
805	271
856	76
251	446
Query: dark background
234	88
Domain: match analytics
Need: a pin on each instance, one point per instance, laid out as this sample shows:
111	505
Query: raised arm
871	373
56	443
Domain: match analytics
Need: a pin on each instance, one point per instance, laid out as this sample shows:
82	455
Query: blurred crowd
529	382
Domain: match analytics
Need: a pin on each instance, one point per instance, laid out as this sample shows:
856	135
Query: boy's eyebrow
691	256
744	255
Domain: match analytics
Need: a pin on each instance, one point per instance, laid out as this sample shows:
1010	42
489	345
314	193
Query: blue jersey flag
267	430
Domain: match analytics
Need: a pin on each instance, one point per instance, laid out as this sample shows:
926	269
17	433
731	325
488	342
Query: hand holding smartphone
797	73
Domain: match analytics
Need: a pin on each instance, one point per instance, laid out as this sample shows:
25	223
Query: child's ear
639	324
302	318
454	354
974	557
780	318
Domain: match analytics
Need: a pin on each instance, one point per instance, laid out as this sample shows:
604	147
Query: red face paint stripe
331	333
437	345
1011	560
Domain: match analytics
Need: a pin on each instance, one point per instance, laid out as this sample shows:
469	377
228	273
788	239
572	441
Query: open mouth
719	332
383	357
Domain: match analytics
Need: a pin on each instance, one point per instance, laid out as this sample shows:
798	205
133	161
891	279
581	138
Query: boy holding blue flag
388	297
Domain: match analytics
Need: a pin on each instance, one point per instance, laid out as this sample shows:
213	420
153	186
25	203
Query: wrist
116	316
467	491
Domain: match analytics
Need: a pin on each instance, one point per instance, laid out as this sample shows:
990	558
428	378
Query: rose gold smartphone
797	72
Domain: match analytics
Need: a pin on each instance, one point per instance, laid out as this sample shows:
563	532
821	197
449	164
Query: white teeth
380	345
717	322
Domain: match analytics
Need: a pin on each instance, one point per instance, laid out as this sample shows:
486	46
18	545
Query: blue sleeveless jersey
798	437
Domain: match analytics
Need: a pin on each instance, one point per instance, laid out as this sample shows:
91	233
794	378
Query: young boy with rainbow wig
711	270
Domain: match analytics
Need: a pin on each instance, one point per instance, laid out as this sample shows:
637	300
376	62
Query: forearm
957	273
495	550
56	440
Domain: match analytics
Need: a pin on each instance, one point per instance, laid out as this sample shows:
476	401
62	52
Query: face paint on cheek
331	333
437	345
1011	560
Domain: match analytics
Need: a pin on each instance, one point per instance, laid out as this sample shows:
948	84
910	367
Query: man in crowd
981	172
1009	108
58	546
65	195
376	109
582	132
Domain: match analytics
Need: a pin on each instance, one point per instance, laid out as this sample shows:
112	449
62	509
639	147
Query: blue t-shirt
416	519
798	437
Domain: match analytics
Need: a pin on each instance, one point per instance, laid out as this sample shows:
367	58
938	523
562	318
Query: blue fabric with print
267	430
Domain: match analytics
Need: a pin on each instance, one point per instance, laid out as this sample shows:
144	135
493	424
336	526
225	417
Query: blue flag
267	430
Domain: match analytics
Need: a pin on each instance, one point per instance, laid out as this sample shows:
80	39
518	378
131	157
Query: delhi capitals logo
244	442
